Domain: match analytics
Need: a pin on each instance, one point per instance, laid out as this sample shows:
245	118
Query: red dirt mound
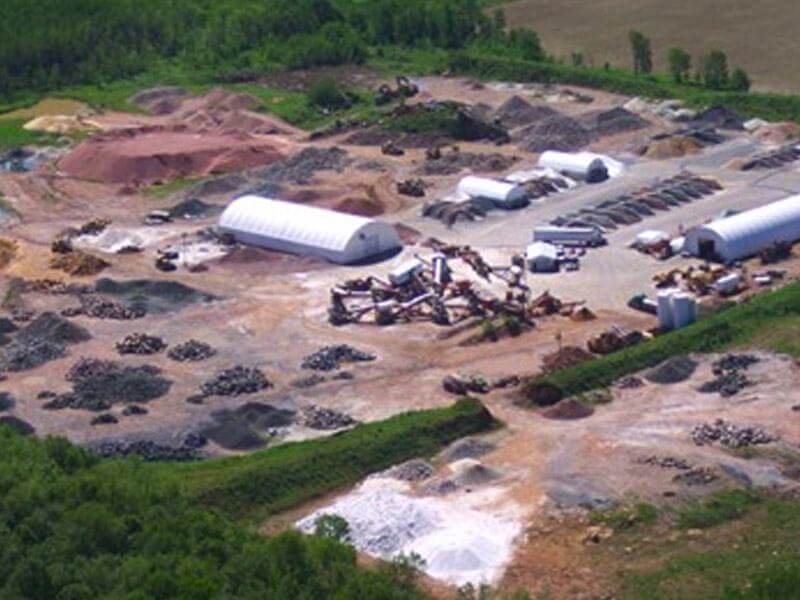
365	207
158	154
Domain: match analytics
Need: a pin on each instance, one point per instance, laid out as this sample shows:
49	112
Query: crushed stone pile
40	341
729	378
325	419
696	476
236	381
672	370
666	462
415	469
51	327
458	544
517	112
141	343
247	427
330	358
23	356
612	122
97	307
466	448
153	295
99	384
629	383
193	208
104	419
719	117
7	401
157	154
134	410
558	132
455	162
152	452
191	351
730	435
315	379
300	169
568	409
20	426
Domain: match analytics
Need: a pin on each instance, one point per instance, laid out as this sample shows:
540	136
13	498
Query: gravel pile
324	419
191	351
53	328
673	370
558	132
97	307
104	419
235	381
466	448
696	476
99	384
7	401
22	356
300	168
517	112
667	462
43	339
249	426
415	469
730	435
152	452
141	343
455	162
729	379
134	410
20	426
330	358
629	383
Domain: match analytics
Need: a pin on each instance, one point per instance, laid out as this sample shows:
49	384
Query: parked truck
569	236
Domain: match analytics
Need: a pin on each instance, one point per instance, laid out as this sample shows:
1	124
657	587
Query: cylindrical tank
681	310
666	319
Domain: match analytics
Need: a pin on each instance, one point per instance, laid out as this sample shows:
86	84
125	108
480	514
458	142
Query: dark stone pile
134	410
325	419
99	384
667	462
97	307
7	401
729	378
330	358
235	381
152	452
673	370
191	351
141	343
104	419
415	469
43	339
696	476
732	436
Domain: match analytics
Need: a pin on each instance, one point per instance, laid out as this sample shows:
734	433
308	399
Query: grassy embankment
770	320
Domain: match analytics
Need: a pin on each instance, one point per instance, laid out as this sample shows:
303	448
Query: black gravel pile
301	168
17	424
330	358
22	356
153	295
191	351
104	419
308	382
730	435
152	452
97	307
193	208
517	112
325	419
7	401
134	410
696	476
673	370
249	426
667	462
6	327
729	378
53	328
235	381
99	384
141	343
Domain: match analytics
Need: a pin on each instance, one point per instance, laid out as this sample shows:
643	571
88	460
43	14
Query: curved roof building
306	230
747	233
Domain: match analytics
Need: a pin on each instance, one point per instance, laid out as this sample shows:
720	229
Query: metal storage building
747	233
501	193
288	227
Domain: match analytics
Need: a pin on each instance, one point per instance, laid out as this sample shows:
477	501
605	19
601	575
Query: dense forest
73	527
53	43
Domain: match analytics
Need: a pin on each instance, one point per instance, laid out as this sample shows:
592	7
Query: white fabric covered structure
307	230
747	233
542	257
501	193
587	166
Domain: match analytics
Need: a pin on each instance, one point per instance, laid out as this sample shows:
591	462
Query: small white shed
542	257
501	193
306	230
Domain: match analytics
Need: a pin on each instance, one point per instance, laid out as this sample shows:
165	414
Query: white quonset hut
586	166
501	193
306	230
746	233
542	257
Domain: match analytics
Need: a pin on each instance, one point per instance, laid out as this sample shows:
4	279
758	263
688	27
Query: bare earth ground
271	312
759	36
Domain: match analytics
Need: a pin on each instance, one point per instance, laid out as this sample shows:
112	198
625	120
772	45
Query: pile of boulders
330	358
411	187
730	435
325	419
191	351
97	307
415	469
235	381
151	451
729	378
141	343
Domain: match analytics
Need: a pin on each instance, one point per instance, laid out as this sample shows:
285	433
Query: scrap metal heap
429	291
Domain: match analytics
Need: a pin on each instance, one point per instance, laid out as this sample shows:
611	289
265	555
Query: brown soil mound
777	133
568	356
8	249
535	393
569	409
365	207
157	154
79	264
672	147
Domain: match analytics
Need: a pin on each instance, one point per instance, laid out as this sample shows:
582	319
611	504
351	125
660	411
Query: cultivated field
759	36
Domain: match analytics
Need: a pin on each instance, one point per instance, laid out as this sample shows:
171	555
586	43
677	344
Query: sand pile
458	544
61	124
151	155
672	147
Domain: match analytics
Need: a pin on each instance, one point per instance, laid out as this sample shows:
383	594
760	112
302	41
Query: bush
329	95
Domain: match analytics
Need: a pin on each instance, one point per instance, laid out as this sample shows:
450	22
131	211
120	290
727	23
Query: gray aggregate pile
141	343
330	358
191	351
324	419
235	381
730	435
151	451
